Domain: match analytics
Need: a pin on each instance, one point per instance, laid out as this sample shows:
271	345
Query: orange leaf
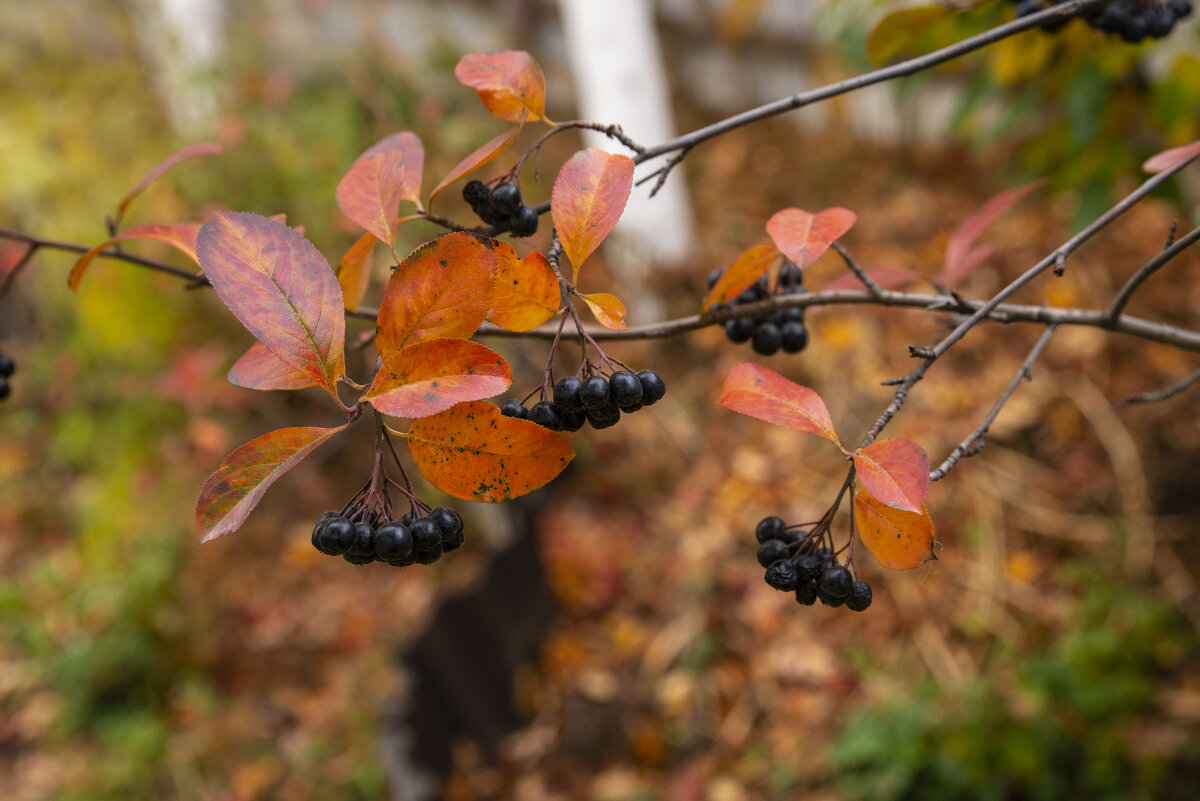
431	376
896	471
886	277
509	82
477	159
473	452
608	309
181	236
160	169
527	292
588	197
280	288
961	258
752	263
232	492
259	368
757	391
1161	162
898	540
385	174
803	237
443	289
354	271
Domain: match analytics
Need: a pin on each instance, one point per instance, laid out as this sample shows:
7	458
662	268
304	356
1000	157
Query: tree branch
979	436
1168	252
1163	394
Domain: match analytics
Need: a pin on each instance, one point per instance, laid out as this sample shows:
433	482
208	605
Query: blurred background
610	637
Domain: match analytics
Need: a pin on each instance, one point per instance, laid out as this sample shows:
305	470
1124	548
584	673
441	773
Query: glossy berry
739	330
453	542
393	542
604	418
595	393
356	558
427	556
767	339
806	593
523	222
772	551
769	528
793	337
364	539
573	421
546	415
408	518
834	583
782	575
476	193
425	533
5	389
653	387
860	596
319	530
337	537
566	394
514	408
7	365
506	198
448	521
625	389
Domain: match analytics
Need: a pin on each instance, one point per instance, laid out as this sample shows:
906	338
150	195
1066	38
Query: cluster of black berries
798	563
784	330
596	399
364	537
502	206
1132	20
7	368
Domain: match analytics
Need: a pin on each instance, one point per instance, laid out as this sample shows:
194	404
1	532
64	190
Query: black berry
523	222
425	533
769	528
573	421
566	394
7	365
447	520
806	593
715	276
393	542
427	556
606	417
514	408
506	198
767	339
476	193
793	337
653	387
739	330
5	389
595	393
859	597
625	389
834	584
337	537
453	542
546	415
810	570
782	575
772	551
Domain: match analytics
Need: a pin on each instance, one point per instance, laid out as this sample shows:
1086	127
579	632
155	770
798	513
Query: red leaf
181	236
388	172
896	471
232	492
443	289
431	376
509	82
1161	162
354	271
752	263
259	368
588	197
198	149
280	288
479	157
898	540
473	452
961	258
803	237
886	277
757	391
527	292
607	308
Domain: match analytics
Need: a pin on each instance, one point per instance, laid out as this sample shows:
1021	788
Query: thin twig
1168	252
859	273
71	247
1163	394
974	442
